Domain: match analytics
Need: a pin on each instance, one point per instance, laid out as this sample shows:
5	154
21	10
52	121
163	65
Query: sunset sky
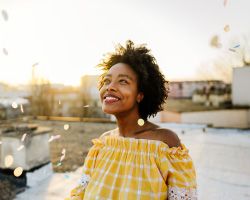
67	38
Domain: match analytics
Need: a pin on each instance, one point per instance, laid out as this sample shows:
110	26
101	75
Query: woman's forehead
121	70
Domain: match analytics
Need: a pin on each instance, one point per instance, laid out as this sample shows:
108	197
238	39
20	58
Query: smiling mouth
109	99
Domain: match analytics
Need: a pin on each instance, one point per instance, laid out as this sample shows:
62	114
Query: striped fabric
128	168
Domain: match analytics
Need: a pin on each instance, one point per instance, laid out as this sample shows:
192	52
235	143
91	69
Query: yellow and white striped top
128	168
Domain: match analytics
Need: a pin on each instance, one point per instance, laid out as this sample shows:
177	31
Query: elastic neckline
137	139
116	135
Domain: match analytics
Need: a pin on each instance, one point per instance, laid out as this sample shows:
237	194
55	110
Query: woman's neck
128	126
127	123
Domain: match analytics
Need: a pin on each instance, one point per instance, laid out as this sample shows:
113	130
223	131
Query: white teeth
111	98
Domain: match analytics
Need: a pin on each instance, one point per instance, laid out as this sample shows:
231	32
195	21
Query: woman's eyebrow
125	75
120	75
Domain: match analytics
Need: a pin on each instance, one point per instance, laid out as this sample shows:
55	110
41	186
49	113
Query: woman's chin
109	111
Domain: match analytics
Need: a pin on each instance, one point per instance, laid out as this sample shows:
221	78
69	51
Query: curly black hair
150	80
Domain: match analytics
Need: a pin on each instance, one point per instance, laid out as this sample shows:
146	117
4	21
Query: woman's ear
140	96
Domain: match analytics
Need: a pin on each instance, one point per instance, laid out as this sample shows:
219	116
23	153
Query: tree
42	98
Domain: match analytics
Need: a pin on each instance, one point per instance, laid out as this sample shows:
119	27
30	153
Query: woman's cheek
101	92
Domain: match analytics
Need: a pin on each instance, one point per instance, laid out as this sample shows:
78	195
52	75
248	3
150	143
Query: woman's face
119	93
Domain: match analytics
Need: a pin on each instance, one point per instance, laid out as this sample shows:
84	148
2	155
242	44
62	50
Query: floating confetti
225	3
63	151
236	46
35	64
140	122
86	106
233	50
20	148
227	28
57	137
66	127
51	138
54	137
63	155
8	161
5	15
21	107
23	137
214	42
14	105
66	176
18	171
5	52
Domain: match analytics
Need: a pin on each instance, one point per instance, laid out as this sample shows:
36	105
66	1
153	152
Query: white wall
241	86
34	154
219	118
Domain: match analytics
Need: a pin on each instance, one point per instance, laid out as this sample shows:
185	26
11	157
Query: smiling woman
138	159
140	69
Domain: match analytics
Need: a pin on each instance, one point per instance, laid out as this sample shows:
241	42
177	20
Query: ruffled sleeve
89	165
179	173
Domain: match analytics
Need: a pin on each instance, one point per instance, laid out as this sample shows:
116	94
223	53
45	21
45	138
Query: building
186	89
240	86
217	113
66	102
17	95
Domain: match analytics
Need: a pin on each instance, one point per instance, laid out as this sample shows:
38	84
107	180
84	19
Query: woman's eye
123	81
106	81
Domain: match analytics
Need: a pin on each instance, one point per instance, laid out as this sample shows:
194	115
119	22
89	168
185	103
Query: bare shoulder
168	137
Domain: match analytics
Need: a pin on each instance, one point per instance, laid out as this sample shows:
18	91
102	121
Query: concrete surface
221	157
55	187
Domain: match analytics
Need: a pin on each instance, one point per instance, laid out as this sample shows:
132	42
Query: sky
66	39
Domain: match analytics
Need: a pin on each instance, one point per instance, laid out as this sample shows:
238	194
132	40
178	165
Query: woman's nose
111	87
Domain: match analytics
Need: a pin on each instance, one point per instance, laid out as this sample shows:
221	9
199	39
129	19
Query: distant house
217	96
241	86
66	102
7	111
18	95
186	89
217	93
